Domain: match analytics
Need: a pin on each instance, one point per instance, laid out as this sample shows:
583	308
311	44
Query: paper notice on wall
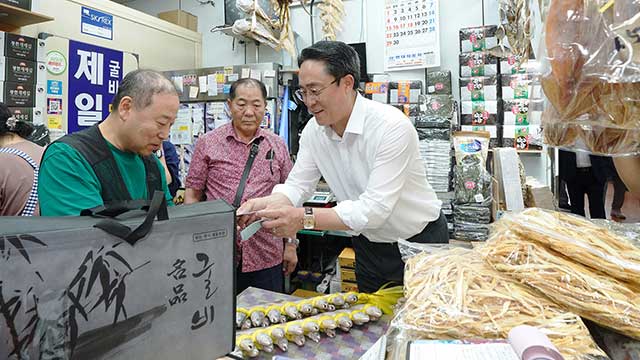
181	133
246	72
256	74
232	77
193	92
202	81
54	122
177	81
212	85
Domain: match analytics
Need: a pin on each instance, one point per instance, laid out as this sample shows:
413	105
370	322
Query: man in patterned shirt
216	170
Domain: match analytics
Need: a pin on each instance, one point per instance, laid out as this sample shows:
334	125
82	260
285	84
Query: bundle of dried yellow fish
579	240
454	294
331	14
573	286
593	75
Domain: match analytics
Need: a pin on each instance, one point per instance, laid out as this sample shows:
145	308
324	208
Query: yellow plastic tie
242	311
606	6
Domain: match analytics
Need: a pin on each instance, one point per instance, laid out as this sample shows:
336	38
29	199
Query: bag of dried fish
587	292
580	240
591	75
454	294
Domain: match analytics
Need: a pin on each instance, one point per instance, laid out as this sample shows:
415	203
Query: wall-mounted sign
54	87
56	62
94	76
96	23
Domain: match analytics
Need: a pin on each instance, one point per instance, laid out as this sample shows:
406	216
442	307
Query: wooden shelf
13	18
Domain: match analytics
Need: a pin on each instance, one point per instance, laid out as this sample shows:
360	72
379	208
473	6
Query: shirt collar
230	133
355	124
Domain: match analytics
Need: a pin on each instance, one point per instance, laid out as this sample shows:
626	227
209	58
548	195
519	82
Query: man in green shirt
115	160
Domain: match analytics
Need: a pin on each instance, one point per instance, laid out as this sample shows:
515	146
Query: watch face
308	222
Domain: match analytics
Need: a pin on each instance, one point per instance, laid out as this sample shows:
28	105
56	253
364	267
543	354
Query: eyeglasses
304	95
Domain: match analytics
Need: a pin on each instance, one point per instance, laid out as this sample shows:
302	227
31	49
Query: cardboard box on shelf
347	286
22	71
347	274
22	4
22	47
22	95
347	259
181	18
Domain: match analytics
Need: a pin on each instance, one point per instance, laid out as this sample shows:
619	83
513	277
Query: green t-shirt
67	184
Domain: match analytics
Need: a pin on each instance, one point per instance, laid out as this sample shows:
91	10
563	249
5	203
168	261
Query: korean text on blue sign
96	23
54	87
94	76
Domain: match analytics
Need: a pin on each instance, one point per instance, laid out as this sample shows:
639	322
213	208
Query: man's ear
124	107
348	81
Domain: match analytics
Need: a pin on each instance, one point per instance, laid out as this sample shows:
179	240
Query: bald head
140	85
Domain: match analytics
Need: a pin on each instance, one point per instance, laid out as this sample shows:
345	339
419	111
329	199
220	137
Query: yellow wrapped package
575	287
454	294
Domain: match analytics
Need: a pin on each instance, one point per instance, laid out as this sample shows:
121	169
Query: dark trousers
586	183
268	279
380	263
619	189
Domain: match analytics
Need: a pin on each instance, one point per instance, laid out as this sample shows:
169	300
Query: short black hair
21	128
140	85
340	59
247	82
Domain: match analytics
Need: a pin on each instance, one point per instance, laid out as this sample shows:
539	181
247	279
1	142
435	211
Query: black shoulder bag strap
245	174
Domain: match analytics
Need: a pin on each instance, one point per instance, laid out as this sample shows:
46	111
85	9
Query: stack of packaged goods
405	95
436	114
447	209
347	270
480	101
23	78
472	186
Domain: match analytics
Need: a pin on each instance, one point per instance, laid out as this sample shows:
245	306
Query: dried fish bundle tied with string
591	75
587	292
454	294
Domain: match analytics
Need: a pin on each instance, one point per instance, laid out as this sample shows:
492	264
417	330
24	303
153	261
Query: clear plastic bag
470	231
589	293
580	240
591	75
454	294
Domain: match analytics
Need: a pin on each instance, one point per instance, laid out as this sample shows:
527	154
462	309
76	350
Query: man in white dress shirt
368	154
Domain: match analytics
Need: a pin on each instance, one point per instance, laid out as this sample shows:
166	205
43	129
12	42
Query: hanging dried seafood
592	77
515	17
272	31
286	33
331	14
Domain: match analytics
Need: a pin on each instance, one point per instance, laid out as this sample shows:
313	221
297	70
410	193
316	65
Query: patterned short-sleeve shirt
216	167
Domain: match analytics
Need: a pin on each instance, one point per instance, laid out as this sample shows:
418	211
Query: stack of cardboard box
347	270
23	76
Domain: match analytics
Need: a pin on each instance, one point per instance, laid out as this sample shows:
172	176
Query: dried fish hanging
515	17
331	14
284	24
274	32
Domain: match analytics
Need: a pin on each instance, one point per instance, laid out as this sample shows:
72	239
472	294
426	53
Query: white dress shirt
374	169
